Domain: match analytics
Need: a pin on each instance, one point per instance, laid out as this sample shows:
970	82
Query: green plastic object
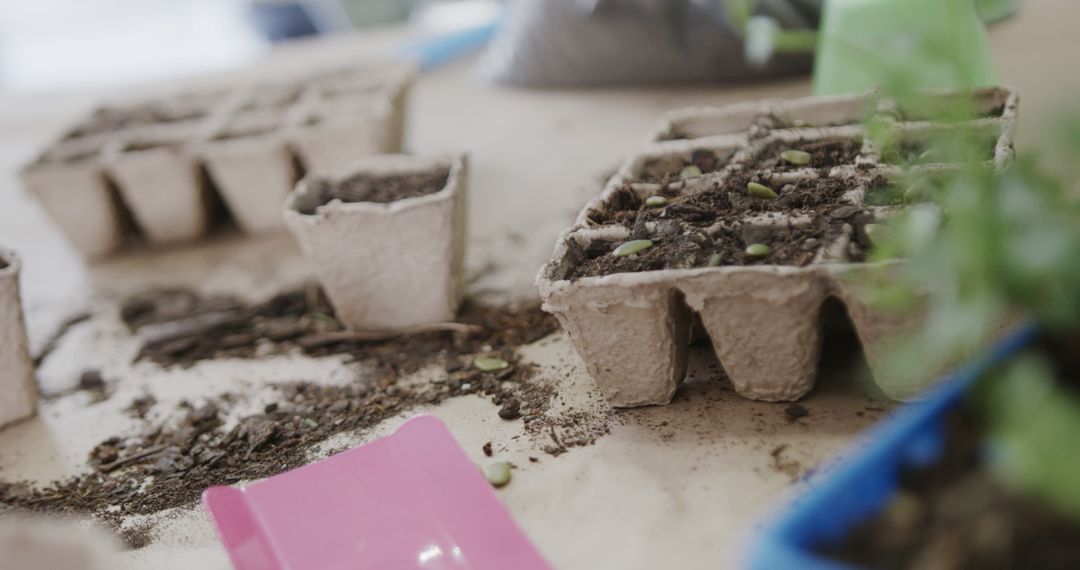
924	43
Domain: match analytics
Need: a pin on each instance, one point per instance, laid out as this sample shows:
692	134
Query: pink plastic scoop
409	500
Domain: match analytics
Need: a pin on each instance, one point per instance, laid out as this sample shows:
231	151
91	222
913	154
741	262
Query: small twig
134	458
62	330
323	339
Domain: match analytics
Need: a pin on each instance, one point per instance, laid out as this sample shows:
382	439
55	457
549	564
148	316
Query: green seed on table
490	363
691	171
714	260
632	247
654	201
758	250
498	474
761	191
796	157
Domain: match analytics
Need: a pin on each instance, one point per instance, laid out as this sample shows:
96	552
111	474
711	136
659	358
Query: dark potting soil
824	154
389	188
728	200
690	230
955	514
665	170
115	119
677	248
169	463
918	152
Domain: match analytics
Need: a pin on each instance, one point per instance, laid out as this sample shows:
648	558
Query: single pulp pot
358	114
160	180
70	183
249	162
629	314
389	256
16	367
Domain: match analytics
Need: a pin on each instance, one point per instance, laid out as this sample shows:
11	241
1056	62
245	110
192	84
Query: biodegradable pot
16	367
69	181
250	164
631	329
385	266
160	180
337	124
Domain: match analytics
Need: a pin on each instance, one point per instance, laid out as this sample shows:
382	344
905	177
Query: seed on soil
796	157
916	193
489	363
632	247
655	201
758	250
714	260
691	171
498	474
878	233
761	191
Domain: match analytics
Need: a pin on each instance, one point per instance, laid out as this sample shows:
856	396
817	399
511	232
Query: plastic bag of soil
593	42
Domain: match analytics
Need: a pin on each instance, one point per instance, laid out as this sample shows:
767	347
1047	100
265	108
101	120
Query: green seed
490	363
498	474
916	192
323	317
758	250
714	260
691	171
761	191
878	233
654	201
632	247
796	157
311	423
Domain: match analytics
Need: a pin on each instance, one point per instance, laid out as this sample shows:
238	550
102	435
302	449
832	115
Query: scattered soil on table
169	463
179	327
955	514
383	189
824	154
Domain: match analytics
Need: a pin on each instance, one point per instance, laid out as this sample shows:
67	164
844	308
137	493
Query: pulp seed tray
749	217
153	168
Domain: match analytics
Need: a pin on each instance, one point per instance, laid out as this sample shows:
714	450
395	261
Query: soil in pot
725	201
677	246
383	189
919	151
956	514
823	154
668	169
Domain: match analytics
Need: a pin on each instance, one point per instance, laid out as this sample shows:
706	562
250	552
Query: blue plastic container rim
862	483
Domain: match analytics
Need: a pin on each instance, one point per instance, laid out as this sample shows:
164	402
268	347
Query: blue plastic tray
860	488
